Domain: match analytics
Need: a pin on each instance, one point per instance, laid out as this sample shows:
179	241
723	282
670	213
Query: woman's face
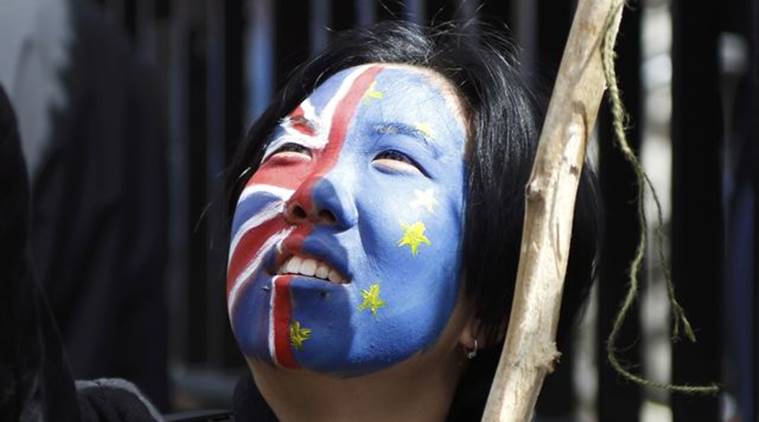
346	242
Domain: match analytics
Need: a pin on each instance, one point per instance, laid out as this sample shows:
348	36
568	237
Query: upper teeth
310	267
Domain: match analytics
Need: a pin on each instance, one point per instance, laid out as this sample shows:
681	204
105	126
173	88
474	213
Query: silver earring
471	353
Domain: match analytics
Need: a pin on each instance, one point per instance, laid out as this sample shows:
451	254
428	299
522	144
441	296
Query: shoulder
114	400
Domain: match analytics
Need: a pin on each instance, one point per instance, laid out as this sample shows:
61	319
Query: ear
470	333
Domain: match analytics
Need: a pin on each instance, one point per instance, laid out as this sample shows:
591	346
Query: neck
418	389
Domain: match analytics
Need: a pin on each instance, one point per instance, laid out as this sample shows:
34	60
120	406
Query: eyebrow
410	131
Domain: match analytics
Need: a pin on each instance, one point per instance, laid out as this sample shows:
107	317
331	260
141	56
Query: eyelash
394	155
398	156
292	147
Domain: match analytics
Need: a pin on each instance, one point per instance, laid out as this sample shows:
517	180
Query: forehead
392	81
403	94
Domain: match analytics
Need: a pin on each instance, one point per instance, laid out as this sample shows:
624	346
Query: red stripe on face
250	245
341	119
281	314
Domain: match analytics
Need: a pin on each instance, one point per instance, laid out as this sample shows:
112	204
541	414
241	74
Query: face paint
363	185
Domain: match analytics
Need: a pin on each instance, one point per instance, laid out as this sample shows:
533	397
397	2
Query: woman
375	238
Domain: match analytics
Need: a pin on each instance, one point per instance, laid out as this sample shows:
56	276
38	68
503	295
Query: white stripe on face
272	301
281	193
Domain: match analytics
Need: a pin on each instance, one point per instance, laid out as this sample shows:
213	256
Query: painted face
346	243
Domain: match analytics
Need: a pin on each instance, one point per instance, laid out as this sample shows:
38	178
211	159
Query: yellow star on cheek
298	335
372	299
372	93
424	127
413	236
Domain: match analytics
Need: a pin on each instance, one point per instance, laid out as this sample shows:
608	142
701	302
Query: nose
322	201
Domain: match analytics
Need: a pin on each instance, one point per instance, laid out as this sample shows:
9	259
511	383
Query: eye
291	150
397	161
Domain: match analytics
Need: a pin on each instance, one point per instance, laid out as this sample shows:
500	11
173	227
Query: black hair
503	116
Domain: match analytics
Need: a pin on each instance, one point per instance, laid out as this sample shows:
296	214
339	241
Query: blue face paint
366	180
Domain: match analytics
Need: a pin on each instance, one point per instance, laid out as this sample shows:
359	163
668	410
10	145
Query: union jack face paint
346	242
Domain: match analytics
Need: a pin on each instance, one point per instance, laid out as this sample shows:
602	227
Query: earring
471	353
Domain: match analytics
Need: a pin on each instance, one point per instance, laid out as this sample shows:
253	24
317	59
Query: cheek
421	281
414	236
258	227
249	244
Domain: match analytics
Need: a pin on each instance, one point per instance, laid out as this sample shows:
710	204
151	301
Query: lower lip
311	278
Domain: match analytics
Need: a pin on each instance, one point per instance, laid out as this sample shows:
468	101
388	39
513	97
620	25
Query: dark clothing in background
35	380
113	400
99	212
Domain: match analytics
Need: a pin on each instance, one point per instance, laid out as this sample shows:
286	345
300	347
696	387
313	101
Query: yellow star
424	127
425	199
372	300
372	93
413	236
298	335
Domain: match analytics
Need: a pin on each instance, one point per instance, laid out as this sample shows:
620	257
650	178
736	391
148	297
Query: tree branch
529	351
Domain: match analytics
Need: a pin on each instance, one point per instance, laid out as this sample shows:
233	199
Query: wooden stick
529	351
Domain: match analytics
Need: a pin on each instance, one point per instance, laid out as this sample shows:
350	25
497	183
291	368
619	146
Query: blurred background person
93	139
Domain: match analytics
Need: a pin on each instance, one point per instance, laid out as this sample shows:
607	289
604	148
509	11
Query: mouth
310	267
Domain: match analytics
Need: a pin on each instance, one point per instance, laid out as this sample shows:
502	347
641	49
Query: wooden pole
530	349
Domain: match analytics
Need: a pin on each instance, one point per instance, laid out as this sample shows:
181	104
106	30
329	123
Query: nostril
297	212
326	216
